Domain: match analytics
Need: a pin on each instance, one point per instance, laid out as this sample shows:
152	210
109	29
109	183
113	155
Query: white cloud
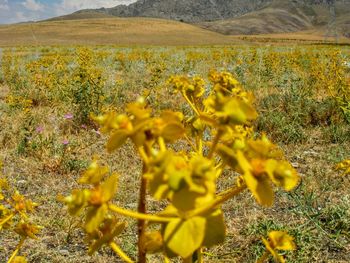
4	5
66	6
32	5
20	16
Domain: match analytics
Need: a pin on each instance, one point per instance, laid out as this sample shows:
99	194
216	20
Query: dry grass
118	31
141	31
317	213
41	179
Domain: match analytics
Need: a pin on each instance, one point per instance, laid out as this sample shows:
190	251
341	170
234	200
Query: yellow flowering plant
15	212
344	166
216	136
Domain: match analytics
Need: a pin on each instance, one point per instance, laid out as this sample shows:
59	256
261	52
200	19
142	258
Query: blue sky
14	11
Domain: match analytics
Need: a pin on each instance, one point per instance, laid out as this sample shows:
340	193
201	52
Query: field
47	138
84	30
100	31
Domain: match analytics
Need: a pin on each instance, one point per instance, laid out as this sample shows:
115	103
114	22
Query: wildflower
68	116
344	166
279	240
39	129
65	142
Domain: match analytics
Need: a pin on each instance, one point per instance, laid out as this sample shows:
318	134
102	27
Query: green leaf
215	229
183	237
117	139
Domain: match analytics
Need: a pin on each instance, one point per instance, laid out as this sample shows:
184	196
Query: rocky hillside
186	10
241	16
285	16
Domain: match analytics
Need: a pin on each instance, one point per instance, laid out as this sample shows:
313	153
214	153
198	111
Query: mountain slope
283	17
81	15
186	10
237	17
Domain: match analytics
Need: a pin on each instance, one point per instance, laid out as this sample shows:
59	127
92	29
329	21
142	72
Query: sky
14	11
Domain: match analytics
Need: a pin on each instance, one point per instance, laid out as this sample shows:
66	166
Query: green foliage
88	86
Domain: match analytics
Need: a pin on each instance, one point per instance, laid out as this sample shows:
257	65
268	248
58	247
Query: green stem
214	144
18	247
6	219
200	256
139	216
120	252
190	143
141	224
191	104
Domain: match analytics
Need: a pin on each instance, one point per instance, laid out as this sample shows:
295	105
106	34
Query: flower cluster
15	212
218	133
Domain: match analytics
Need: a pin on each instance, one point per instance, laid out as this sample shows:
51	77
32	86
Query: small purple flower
68	116
83	126
39	129
65	142
97	132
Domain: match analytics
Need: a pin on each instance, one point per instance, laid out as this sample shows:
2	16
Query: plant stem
141	224
190	103
18	247
6	219
215	143
166	259
120	252
263	257
200	255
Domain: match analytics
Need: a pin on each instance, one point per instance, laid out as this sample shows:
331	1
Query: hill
89	14
118	31
285	17
185	10
242	16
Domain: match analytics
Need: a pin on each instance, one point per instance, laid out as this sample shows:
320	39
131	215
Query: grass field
47	140
118	31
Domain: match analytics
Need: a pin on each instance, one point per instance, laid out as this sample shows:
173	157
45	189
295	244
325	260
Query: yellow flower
77	201
140	126
187	183
344	166
282	174
257	181
107	231
112	121
229	110
3	185
152	242
191	88
279	240
94	174
259	174
25	229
